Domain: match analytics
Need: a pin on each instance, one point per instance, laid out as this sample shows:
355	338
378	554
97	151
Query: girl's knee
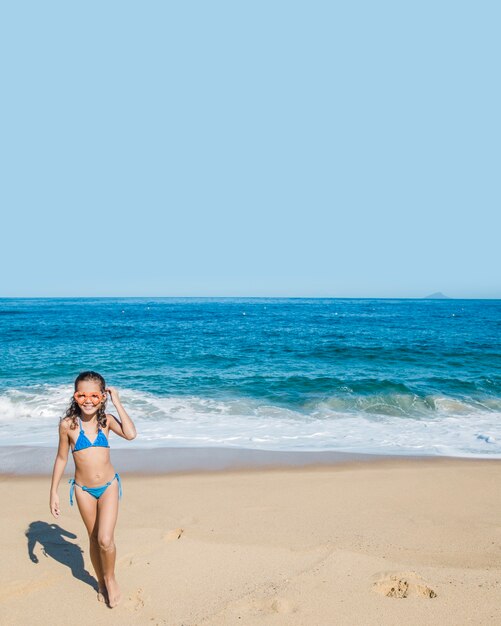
105	541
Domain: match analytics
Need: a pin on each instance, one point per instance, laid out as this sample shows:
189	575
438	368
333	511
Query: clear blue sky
260	148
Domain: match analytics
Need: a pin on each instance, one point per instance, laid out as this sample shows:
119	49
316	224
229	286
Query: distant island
438	295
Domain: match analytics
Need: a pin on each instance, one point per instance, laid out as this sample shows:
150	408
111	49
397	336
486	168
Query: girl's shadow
51	538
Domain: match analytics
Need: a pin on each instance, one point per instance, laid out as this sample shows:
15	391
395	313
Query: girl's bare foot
114	594
102	594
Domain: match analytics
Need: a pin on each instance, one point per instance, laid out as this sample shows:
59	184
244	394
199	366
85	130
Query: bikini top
83	441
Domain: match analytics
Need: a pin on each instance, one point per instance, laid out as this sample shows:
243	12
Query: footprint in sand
282	605
401	585
135	601
266	606
173	534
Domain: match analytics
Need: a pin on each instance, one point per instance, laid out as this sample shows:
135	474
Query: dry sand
381	542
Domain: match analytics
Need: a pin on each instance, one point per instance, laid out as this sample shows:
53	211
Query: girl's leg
107	512
87	506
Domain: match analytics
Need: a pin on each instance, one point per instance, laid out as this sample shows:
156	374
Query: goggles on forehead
94	397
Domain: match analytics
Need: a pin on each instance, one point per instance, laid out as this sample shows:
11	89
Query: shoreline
38	460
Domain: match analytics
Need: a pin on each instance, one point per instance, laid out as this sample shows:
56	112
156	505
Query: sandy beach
381	542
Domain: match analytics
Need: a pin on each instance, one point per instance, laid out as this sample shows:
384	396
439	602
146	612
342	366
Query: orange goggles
95	398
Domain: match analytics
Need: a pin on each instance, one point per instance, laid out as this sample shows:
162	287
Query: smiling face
89	397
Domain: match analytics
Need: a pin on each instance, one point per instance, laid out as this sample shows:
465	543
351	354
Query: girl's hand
54	505
113	391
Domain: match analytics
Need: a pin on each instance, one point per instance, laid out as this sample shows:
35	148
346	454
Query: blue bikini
82	443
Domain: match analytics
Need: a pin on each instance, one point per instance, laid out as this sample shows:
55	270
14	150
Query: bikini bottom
97	492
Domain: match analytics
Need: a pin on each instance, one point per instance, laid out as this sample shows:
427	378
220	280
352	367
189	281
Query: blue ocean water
364	375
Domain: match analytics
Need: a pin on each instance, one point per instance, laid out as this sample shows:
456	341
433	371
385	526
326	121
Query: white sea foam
450	427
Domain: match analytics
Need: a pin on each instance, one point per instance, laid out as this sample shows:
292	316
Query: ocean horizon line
236	297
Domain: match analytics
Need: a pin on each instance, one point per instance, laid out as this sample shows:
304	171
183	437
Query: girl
85	429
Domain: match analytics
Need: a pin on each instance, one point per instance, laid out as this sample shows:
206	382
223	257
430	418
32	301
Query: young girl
85	429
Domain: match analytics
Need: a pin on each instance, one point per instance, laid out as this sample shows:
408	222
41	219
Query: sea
377	376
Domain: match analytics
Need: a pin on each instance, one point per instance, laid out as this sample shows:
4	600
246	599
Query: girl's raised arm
59	465
125	427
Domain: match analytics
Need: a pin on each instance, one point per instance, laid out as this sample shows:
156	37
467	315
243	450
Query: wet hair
74	411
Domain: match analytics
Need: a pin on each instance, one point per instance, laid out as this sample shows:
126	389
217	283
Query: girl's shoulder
65	423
